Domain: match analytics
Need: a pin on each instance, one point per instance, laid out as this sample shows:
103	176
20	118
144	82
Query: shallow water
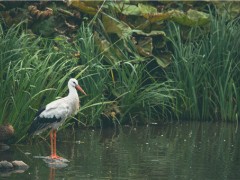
172	151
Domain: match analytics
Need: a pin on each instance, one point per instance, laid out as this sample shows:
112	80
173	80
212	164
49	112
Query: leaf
112	54
152	33
158	37
146	9
146	42
191	18
126	9
163	59
130	9
158	16
83	7
115	26
145	46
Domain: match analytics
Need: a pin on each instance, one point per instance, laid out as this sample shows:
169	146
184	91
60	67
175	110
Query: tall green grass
35	71
142	99
206	67
95	78
121	83
32	74
202	82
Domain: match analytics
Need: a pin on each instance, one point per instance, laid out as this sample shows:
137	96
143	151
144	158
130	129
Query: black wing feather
40	111
40	123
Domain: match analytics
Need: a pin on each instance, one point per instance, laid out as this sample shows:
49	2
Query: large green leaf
152	33
146	42
126	9
115	26
111	53
191	18
163	59
146	9
85	7
158	16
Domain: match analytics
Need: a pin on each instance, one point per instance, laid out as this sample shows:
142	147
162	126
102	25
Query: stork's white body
55	113
60	109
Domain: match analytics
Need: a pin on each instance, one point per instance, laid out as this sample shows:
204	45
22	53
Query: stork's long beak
80	89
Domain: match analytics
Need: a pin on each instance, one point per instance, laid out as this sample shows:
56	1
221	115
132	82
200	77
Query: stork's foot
52	159
54	156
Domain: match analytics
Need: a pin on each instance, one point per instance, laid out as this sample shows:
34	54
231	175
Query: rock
6	132
20	165
13	167
5	165
54	163
49	159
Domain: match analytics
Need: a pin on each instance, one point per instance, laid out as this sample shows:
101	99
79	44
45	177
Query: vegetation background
139	62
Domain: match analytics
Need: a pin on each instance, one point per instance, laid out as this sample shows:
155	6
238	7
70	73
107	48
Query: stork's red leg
54	155
55	144
51	141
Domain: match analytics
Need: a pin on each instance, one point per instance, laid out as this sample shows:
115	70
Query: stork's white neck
72	91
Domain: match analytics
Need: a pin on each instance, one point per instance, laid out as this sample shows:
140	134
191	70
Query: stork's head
74	83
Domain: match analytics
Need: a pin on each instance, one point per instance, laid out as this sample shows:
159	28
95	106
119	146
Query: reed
202	82
124	83
94	80
141	98
32	73
206	67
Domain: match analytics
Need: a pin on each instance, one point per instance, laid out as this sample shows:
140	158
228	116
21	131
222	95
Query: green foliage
30	68
141	98
95	77
35	70
124	82
120	86
206	66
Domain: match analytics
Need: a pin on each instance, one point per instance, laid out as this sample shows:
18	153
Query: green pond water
171	151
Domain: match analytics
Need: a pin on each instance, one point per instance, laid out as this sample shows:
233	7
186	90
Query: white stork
55	113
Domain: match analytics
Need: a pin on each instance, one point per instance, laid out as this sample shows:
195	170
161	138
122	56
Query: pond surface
172	151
